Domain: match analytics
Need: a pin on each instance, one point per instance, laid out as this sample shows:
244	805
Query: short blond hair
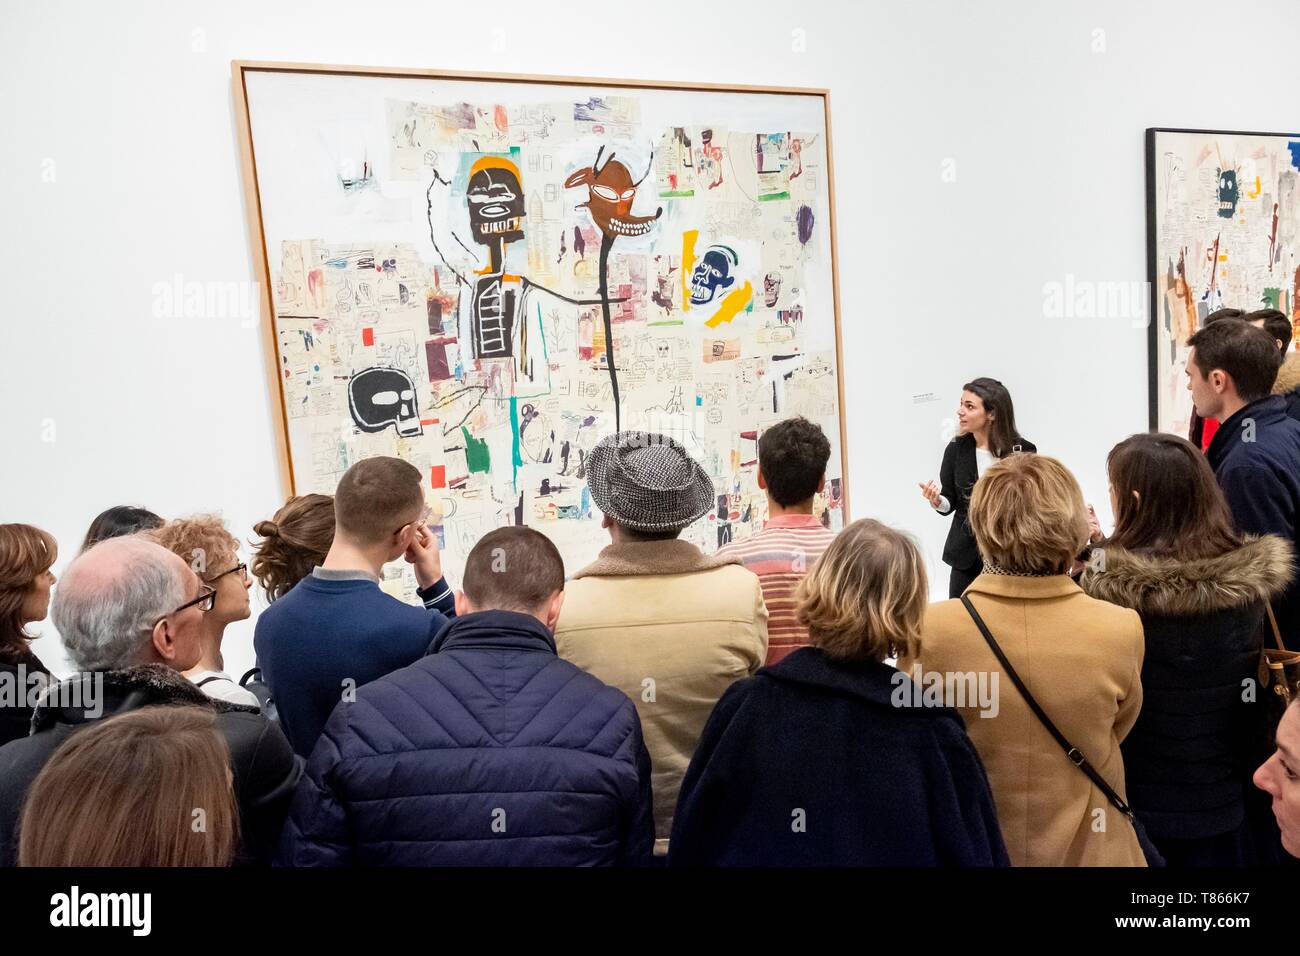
1027	514
201	541
865	598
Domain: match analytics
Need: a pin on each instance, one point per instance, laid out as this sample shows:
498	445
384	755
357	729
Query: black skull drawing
379	397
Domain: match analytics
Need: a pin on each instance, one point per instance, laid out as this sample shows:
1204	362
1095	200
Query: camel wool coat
1081	658
672	628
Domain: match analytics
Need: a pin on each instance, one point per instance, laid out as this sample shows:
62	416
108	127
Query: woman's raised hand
931	493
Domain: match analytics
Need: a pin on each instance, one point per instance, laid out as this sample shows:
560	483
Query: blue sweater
325	632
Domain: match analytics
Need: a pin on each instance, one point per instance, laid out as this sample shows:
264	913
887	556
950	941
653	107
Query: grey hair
109	599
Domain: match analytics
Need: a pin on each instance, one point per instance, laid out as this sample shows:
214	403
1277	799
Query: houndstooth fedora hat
647	482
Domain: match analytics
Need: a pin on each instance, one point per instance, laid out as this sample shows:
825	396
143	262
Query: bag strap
210	678
1272	621
1074	753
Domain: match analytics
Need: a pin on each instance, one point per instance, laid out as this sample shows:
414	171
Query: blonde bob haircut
865	598
1028	516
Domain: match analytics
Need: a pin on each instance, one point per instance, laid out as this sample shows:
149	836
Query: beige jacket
1082	660
672	628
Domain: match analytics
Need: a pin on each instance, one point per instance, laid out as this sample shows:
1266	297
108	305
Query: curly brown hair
293	542
26	552
201	541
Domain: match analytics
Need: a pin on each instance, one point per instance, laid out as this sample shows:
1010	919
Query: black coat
1189	758
264	767
809	762
16	714
957	476
1255	455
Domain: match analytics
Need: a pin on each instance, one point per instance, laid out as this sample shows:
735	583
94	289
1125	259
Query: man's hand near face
424	555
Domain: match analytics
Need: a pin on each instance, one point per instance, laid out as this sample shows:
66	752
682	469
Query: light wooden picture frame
485	273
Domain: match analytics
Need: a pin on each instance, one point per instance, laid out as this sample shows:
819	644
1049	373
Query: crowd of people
793	699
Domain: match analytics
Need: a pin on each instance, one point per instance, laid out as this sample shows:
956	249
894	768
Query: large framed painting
1223	230
486	274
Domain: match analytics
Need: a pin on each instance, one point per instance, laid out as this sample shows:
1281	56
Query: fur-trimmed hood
118	691
1261	568
1288	376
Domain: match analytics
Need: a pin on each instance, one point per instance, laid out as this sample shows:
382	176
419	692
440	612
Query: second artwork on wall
1223	213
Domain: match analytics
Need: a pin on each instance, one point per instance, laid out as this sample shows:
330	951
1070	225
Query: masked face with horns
610	194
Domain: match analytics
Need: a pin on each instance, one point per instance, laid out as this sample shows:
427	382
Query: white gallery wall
983	152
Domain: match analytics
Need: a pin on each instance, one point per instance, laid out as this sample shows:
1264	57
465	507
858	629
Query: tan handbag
1279	668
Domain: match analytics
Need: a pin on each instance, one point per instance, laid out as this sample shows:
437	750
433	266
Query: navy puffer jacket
489	751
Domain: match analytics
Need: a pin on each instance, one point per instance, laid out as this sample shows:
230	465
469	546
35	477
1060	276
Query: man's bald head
110	598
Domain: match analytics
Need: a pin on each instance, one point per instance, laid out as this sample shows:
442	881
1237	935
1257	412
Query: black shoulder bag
256	684
1074	754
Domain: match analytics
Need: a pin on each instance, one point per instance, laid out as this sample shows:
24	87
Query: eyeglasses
206	600
425	515
241	569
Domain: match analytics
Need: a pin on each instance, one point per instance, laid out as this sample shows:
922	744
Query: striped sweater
781	554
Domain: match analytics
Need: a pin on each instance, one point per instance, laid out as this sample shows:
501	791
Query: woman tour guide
986	432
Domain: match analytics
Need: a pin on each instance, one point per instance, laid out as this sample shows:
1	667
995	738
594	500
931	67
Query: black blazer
957	477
